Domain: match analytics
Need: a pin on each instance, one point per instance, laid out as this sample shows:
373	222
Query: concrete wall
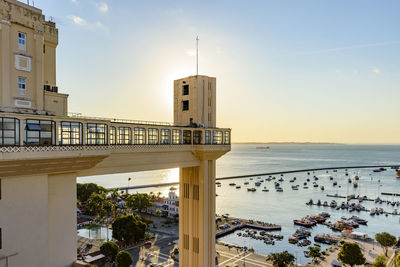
38	220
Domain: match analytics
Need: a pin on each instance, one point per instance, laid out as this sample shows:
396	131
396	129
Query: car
148	243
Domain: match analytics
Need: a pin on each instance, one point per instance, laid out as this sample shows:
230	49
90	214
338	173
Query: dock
233	226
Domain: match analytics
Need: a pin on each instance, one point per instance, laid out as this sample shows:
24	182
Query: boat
257	183
322	187
238	187
356	178
355	185
334	183
305	187
304	223
217	183
232	184
262	147
281	180
172	188
376	170
246	183
315	185
310	202
265	189
398	174
330	178
251	189
295	187
349	181
279	189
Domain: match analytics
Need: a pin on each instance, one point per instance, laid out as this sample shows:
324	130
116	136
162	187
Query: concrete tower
195	105
194	101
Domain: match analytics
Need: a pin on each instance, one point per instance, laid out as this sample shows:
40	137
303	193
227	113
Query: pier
239	224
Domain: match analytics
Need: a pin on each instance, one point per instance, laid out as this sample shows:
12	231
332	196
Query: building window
70	133
140	136
39	132
185	105
96	133
176	137
9	132
124	135
187	137
22	85
185	89
227	138
113	134
152	136
165	137
207	137
196	137
217	137
22	41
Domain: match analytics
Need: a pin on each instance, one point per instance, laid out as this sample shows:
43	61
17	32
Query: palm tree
281	259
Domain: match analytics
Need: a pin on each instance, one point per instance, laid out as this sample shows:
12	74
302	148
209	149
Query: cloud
82	22
101	6
74	1
77	20
376	70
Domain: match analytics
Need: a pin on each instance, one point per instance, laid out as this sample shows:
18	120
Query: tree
314	252
385	240
139	201
281	259
84	191
351	254
95	204
124	259
398	260
110	249
380	261
128	228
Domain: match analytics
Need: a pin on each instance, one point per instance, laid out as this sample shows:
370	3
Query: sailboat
398	173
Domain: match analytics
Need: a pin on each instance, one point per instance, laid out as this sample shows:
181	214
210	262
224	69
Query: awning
33	127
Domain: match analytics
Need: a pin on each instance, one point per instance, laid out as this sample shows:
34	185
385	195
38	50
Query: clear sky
302	71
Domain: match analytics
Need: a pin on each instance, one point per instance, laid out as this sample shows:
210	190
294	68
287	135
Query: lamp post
129	180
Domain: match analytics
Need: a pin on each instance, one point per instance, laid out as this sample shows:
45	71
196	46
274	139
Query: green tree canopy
124	259
314	252
351	254
380	261
95	204
128	228
385	240
139	201
110	249
84	191
398	260
281	259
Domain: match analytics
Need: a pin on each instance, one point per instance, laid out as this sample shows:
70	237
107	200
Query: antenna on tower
197	55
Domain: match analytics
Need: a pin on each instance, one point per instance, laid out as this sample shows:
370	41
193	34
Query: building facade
28	61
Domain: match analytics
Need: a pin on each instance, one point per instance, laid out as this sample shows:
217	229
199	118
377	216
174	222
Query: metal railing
80	116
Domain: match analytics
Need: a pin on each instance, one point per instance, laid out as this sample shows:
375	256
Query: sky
287	71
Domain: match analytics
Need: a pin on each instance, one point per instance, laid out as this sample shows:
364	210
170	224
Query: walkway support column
197	215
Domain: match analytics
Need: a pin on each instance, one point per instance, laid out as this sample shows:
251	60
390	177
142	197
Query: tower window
185	105
22	41
22	85
185	90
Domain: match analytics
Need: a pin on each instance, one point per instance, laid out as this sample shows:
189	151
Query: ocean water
282	208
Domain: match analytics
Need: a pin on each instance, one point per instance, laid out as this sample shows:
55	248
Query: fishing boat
217	183
330	178
281	180
315	185
246	183
398	174
238	187
279	189
322	187
232	184
257	183
265	189
355	185
251	189
295	187
356	178
349	181
334	183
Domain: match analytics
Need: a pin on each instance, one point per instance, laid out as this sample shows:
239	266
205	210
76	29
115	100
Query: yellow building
28	61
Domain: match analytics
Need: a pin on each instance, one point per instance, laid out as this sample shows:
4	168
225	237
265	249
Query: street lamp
129	180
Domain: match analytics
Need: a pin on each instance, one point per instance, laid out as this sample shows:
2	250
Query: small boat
265	189
334	183
355	185
305	187
349	180
279	189
398	174
246	183
377	170
281	180
330	178
238	187
322	187
356	178
251	189
315	185
257	183
217	183
232	184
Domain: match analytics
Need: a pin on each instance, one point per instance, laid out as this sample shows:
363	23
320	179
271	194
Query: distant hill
286	143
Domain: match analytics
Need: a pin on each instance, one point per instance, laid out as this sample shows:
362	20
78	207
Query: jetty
227	225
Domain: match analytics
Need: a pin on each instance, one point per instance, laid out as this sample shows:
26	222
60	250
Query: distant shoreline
285	143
